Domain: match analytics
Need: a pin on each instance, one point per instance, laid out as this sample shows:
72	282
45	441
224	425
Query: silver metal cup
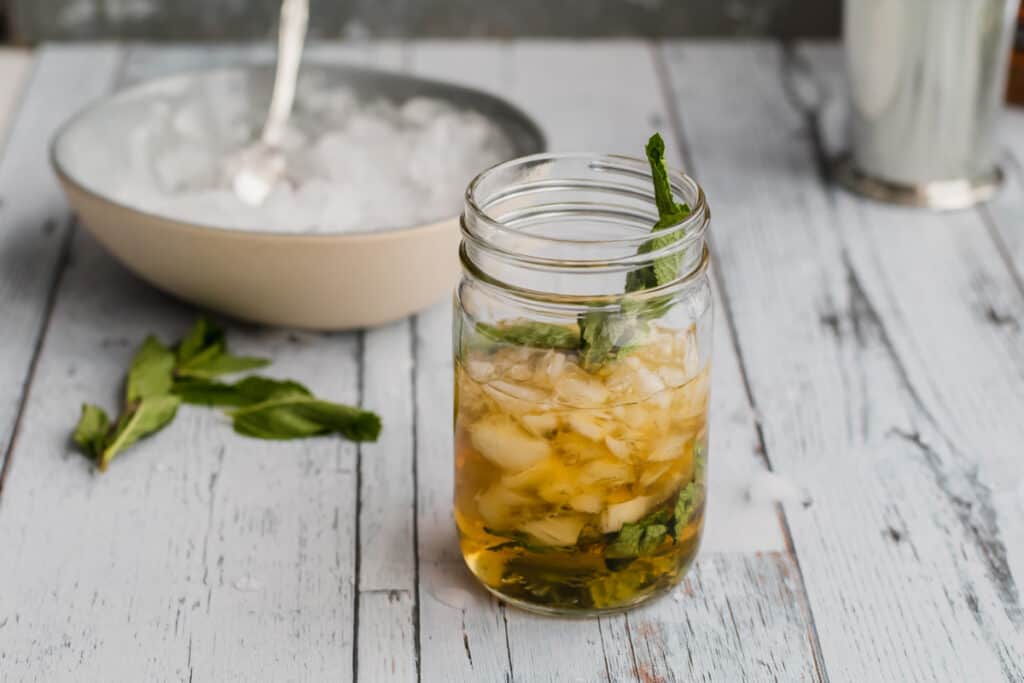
927	80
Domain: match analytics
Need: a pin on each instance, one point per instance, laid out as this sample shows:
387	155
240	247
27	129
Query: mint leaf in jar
534	334
604	334
666	268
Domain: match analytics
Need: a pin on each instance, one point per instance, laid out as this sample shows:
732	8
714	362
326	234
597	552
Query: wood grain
33	215
880	387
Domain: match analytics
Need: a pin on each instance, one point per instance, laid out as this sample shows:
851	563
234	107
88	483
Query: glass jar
580	409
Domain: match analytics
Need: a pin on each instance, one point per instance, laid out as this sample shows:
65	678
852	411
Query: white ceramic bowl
317	281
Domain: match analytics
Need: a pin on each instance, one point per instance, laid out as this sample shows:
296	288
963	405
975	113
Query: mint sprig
607	334
160	379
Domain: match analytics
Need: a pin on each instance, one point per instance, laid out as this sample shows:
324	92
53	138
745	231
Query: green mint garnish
297	417
160	379
666	268
606	335
246	392
203	354
534	334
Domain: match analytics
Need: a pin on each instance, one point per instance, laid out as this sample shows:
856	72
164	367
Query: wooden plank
878	383
462	628
387	549
14	69
562	85
33	214
736	618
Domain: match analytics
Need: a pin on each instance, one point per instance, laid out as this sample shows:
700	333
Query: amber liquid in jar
581	490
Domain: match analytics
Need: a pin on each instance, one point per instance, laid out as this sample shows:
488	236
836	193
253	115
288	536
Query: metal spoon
255	169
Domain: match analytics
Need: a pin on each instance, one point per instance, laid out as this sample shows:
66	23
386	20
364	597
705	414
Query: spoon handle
290	39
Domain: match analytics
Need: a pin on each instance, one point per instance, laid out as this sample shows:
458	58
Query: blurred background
26	22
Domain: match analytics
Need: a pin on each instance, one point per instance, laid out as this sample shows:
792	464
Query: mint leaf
203	336
686	504
245	392
518	539
151	371
149	416
534	334
692	496
92	430
603	334
606	335
297	417
670	214
208	365
640	538
203	354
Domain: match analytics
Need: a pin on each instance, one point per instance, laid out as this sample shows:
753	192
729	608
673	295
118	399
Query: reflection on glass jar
582	358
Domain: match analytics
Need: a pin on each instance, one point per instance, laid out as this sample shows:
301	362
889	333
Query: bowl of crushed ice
359	229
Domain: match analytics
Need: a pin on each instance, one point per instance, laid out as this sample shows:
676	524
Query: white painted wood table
871	354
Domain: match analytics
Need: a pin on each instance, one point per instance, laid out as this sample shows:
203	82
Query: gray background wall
35	20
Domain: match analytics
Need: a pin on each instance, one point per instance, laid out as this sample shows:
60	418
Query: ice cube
580	391
498	505
607	472
615	516
586	425
499	439
540	425
555	531
669	447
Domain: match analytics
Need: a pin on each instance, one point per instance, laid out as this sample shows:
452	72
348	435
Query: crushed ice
352	164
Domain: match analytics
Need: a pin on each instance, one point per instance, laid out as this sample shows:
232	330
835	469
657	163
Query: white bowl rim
271	235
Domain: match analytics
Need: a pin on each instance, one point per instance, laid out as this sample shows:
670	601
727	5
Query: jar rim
586	301
613	163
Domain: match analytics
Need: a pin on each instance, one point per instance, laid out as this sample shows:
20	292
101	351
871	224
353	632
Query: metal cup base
943	195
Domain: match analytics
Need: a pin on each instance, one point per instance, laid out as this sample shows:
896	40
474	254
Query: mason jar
582	356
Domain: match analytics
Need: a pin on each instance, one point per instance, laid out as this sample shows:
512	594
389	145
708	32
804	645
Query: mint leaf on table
209	366
245	392
603	333
91	432
151	372
296	417
204	335
533	334
161	379
149	416
203	354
